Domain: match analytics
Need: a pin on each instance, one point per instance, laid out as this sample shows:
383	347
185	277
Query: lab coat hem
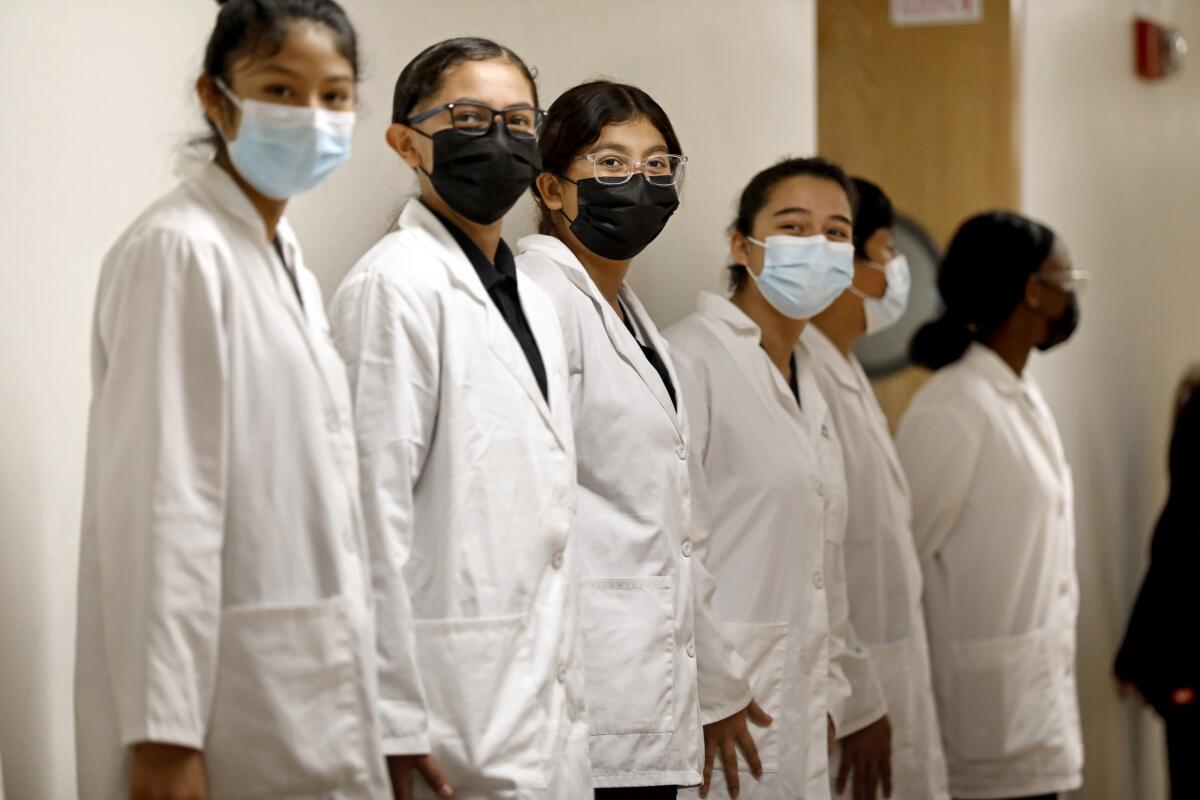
727	710
628	780
1031	788
417	745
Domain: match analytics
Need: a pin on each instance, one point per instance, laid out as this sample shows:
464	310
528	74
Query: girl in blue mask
773	466
225	640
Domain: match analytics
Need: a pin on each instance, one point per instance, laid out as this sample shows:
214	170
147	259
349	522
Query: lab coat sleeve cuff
711	714
415	745
178	735
860	721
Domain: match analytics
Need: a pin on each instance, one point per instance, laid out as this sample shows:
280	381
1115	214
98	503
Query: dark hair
1183	455
758	192
982	279
577	117
873	212
423	75
260	27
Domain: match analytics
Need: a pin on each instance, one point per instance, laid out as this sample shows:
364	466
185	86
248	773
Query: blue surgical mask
284	150
802	275
884	312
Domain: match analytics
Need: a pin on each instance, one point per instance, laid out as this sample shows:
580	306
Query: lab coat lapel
642	321
219	187
501	341
625	345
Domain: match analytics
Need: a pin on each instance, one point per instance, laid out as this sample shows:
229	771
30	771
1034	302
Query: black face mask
481	177
618	222
1059	329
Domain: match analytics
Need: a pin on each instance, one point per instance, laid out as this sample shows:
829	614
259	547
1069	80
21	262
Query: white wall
97	97
1113	164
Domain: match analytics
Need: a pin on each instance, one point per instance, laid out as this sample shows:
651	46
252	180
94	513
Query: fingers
432	773
864	780
757	715
885	776
750	751
401	773
710	755
843	770
730	762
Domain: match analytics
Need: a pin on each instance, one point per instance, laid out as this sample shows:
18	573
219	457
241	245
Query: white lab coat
883	571
223	589
469	494
640	539
778	496
995	530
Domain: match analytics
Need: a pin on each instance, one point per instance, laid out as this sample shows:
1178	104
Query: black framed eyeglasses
475	119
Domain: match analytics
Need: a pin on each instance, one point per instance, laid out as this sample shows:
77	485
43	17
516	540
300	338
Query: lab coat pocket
486	701
763	646
288	711
629	652
1004	699
893	664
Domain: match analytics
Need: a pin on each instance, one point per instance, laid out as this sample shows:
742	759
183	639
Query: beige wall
97	98
1113	164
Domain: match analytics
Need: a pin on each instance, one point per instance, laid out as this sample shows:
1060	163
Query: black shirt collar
489	274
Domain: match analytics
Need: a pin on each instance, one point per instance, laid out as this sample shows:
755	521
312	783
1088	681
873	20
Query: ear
739	248
1033	295
550	191
401	138
216	106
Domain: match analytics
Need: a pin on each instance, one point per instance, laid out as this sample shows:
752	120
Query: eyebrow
843	218
792	210
620	148
477	102
291	73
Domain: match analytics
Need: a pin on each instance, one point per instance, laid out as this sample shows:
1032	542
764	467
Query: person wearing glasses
993	512
772	462
659	668
467	459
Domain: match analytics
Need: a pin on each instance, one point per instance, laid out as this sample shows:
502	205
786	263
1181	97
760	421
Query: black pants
638	793
1183	746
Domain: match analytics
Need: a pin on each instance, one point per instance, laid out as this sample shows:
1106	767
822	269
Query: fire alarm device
1159	49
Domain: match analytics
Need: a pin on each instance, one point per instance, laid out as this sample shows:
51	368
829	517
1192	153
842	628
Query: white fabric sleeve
723	684
158	456
388	339
939	453
855	694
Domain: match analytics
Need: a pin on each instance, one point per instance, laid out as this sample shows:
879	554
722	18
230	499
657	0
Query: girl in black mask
658	663
464	436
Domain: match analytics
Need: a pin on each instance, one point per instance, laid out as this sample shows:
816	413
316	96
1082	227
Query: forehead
635	136
307	48
821	196
495	82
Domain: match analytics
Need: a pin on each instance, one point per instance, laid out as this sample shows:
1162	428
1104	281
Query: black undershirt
500	280
653	357
290	272
793	381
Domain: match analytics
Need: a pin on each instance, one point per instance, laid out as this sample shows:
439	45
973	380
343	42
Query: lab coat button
557	561
818	580
562	674
687	548
681	451
820	489
691	648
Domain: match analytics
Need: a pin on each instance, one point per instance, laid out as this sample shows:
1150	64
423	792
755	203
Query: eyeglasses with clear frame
475	119
1073	280
614	169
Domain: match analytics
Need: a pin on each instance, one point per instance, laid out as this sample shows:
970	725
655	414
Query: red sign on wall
936	12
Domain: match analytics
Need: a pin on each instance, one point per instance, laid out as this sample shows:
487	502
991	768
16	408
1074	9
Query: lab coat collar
824	350
434	236
984	360
723	309
220	188
624	343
